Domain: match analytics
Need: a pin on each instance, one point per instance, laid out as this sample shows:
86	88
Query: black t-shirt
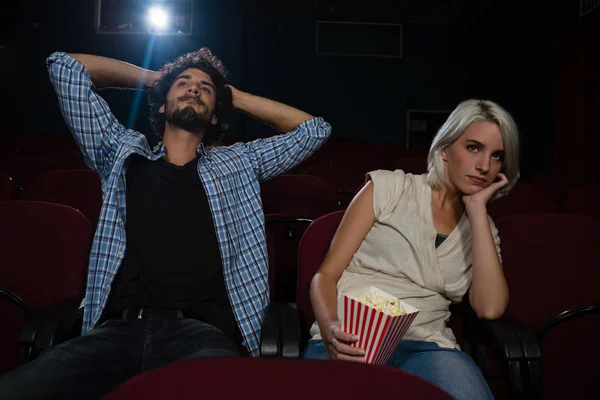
172	259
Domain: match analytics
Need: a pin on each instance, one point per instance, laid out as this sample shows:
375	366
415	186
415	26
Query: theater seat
80	189
411	165
246	378
524	198
44	251
551	266
22	169
298	196
283	238
344	178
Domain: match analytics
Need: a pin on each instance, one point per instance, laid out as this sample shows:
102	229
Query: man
178	266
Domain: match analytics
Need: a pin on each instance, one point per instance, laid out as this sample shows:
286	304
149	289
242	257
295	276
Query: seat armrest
270	331
530	366
567	315
280	333
505	335
290	332
532	353
45	327
14	299
509	338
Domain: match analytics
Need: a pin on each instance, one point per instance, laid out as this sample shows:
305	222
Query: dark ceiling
446	14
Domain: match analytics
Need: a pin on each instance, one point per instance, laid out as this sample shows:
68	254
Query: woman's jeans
449	369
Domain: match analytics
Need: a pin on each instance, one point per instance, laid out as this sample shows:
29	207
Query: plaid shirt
230	175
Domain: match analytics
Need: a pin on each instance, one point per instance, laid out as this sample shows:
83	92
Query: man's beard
187	117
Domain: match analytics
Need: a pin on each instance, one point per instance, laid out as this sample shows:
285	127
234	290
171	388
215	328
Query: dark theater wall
363	97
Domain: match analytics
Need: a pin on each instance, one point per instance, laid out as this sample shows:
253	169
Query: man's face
191	101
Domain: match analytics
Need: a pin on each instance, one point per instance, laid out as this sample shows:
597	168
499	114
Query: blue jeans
450	369
89	366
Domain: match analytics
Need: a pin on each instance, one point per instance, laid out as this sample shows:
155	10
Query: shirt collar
201	150
159	149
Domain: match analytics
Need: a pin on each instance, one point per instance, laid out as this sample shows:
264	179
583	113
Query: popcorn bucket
379	330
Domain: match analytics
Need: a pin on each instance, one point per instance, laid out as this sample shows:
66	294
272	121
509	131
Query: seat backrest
26	140
24	168
551	264
6	187
524	198
342	177
365	161
311	252
283	239
44	251
584	200
410	165
270	379
556	185
63	157
298	196
387	152
570	355
80	189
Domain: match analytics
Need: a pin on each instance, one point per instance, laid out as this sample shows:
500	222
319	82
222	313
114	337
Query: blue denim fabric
91	365
450	369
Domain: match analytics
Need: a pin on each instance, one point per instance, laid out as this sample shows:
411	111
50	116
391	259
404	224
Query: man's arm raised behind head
90	120
107	72
277	154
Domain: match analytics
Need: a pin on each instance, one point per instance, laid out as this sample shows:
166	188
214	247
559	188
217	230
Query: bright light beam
158	17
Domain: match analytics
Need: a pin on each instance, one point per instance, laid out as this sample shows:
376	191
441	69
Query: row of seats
341	163
291	203
286	233
307	196
79	188
356	154
549	262
23	142
312	194
23	156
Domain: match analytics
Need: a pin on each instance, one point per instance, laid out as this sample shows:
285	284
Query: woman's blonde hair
465	114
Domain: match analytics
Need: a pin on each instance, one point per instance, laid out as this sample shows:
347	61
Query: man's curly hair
205	61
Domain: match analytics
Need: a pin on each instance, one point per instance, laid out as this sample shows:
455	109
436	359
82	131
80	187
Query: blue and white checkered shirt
230	175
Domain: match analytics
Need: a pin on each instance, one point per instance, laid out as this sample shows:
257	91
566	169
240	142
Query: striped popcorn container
379	330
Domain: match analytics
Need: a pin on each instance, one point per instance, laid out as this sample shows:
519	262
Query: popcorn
392	307
380	321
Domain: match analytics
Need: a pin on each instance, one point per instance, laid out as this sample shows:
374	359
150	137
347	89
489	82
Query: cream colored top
398	255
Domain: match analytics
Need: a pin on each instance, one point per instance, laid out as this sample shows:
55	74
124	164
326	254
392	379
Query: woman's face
474	160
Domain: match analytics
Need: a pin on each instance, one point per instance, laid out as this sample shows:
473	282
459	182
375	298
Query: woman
426	239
